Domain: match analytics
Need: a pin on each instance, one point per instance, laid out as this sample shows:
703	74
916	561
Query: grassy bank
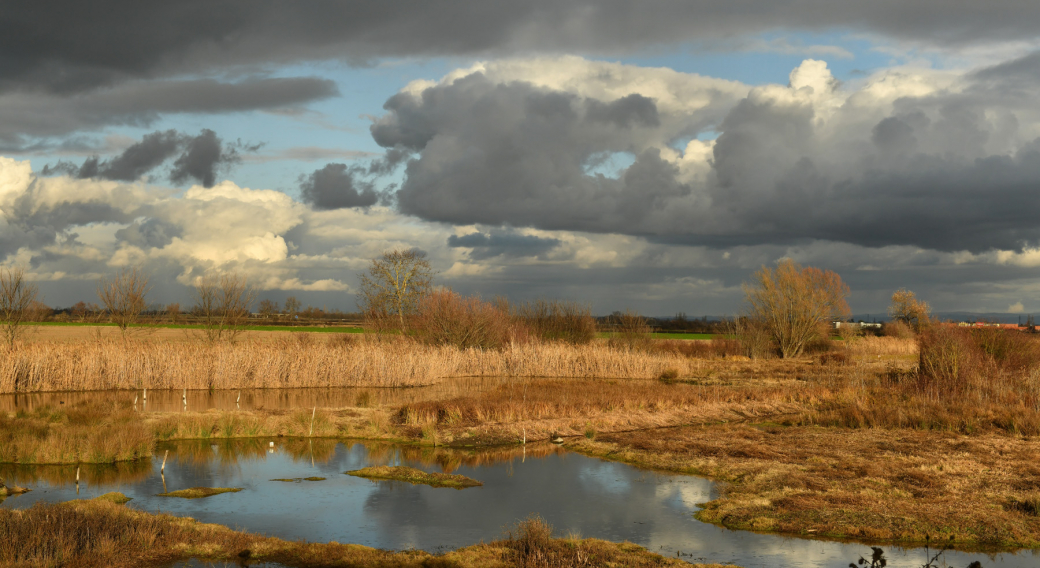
872	484
102	533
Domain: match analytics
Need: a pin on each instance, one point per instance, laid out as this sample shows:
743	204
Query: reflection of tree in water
92	473
450	459
313	450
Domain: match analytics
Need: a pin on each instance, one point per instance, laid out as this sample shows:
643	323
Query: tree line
788	308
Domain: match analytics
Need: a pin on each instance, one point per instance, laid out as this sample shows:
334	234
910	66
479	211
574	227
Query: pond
576	494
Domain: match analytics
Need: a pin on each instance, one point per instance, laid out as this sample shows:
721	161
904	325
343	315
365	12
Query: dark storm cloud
502	242
509	153
337	186
26	117
67	47
515	153
201	157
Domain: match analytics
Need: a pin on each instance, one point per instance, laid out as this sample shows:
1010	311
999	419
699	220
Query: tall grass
393	362
966	381
91	433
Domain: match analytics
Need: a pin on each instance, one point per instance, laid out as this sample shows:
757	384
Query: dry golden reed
293	364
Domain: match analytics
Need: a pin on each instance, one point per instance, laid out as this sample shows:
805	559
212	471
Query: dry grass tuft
84	433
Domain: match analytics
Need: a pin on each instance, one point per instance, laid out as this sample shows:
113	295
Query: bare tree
394	286
124	297
268	309
908	309
795	304
173	312
222	306
292	307
17	298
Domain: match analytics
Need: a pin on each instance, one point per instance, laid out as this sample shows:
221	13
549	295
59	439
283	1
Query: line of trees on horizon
789	309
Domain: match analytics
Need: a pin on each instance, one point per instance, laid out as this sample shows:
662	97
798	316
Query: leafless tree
292	307
394	286
909	310
173	312
795	304
123	296
268	309
17	298
222	306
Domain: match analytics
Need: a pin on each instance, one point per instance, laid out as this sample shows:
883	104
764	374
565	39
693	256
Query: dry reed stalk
874	346
93	366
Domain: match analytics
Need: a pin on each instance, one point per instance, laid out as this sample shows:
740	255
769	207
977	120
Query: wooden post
315	409
163	468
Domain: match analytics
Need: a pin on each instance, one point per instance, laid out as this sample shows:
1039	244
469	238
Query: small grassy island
200	492
416	476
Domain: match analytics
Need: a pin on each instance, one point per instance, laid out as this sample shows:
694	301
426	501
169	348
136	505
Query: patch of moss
298	479
114	497
200	492
415	476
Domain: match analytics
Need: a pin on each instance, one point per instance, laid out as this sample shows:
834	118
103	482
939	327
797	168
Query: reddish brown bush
446	318
554	320
698	349
976	364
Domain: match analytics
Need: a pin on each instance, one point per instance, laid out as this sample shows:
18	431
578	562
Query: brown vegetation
124	297
86	433
101	533
199	492
446	318
17	297
339	361
873	484
222	306
796	305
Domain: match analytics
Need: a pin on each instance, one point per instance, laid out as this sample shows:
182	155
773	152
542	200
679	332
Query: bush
630	331
897	329
555	320
699	349
981	363
446	318
754	337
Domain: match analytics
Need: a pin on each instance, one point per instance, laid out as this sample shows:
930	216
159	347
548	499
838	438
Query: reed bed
310	363
883	346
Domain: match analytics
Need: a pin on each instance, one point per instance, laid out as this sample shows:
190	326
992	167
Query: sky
643	155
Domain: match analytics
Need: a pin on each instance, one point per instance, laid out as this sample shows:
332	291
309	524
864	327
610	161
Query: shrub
982	363
630	331
698	349
446	318
754	337
555	320
897	329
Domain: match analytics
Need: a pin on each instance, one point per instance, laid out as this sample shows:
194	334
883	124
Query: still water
252	399
576	494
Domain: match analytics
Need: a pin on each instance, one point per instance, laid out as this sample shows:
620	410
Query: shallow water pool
576	494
